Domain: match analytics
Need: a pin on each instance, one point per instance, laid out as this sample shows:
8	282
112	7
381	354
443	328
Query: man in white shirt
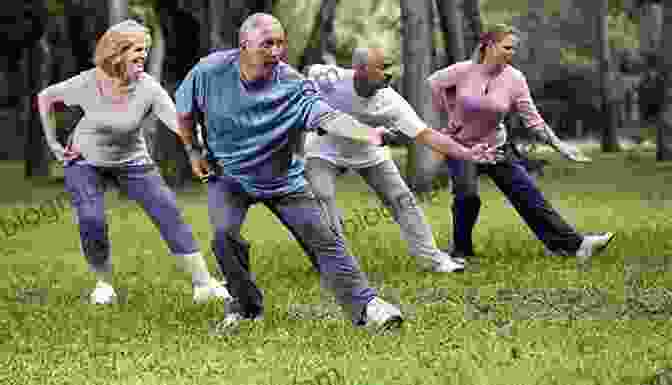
363	92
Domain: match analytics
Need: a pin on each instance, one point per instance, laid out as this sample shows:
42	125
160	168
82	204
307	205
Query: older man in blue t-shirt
254	108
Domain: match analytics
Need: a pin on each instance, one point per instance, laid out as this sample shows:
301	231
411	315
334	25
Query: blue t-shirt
252	127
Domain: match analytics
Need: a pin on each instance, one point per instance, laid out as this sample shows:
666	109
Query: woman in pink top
477	94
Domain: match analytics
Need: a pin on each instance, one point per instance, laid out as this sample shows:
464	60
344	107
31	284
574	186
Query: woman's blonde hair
112	47
492	34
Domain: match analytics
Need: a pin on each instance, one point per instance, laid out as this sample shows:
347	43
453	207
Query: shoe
382	315
457	255
103	294
592	245
231	322
445	263
214	289
557	253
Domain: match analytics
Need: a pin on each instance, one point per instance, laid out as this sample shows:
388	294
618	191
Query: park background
600	72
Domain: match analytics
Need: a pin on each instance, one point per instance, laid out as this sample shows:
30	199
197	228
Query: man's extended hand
571	152
200	169
72	152
394	137
199	165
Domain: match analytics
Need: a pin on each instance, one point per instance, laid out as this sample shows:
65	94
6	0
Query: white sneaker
382	315
459	260
593	244
444	263
232	320
214	289
103	294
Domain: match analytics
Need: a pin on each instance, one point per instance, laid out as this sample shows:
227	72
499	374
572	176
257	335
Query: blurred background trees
598	69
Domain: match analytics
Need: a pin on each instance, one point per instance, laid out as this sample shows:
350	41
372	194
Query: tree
473	25
177	28
87	21
418	63
452	27
118	11
35	71
664	126
609	137
321	47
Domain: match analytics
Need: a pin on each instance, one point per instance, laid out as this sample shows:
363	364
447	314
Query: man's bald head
362	57
370	68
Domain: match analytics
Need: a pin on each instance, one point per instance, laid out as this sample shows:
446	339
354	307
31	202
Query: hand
200	168
482	153
572	152
376	135
394	137
71	153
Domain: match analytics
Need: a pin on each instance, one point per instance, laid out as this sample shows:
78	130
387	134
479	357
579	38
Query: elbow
429	83
185	120
43	101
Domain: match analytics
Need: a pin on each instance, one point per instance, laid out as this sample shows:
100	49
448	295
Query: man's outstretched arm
338	123
411	128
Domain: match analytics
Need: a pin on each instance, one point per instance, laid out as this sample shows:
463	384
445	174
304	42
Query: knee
465	193
89	218
224	235
403	200
468	200
323	195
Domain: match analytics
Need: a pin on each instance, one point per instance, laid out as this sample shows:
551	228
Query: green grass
157	336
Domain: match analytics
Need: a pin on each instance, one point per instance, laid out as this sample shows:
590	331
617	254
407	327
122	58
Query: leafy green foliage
365	20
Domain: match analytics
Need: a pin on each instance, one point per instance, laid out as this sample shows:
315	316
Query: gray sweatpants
385	179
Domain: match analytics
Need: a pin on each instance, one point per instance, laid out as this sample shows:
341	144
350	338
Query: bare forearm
48	119
185	129
545	134
443	144
325	119
344	125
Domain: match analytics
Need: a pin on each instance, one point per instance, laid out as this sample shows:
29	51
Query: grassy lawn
519	318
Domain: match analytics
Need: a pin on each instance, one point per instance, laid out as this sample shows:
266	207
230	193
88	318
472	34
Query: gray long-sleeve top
110	132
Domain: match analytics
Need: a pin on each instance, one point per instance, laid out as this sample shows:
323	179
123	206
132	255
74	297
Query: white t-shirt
385	108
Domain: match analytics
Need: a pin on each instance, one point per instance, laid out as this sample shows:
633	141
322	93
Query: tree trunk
473	24
87	21
321	47
650	28
609	135
36	65
664	126
206	26
452	27
36	71
118	11
418	63
155	69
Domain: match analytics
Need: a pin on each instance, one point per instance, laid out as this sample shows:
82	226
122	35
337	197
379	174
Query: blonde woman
476	94
107	145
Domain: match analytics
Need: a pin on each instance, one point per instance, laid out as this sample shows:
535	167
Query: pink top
477	96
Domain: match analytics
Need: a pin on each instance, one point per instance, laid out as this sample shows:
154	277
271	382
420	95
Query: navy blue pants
511	178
